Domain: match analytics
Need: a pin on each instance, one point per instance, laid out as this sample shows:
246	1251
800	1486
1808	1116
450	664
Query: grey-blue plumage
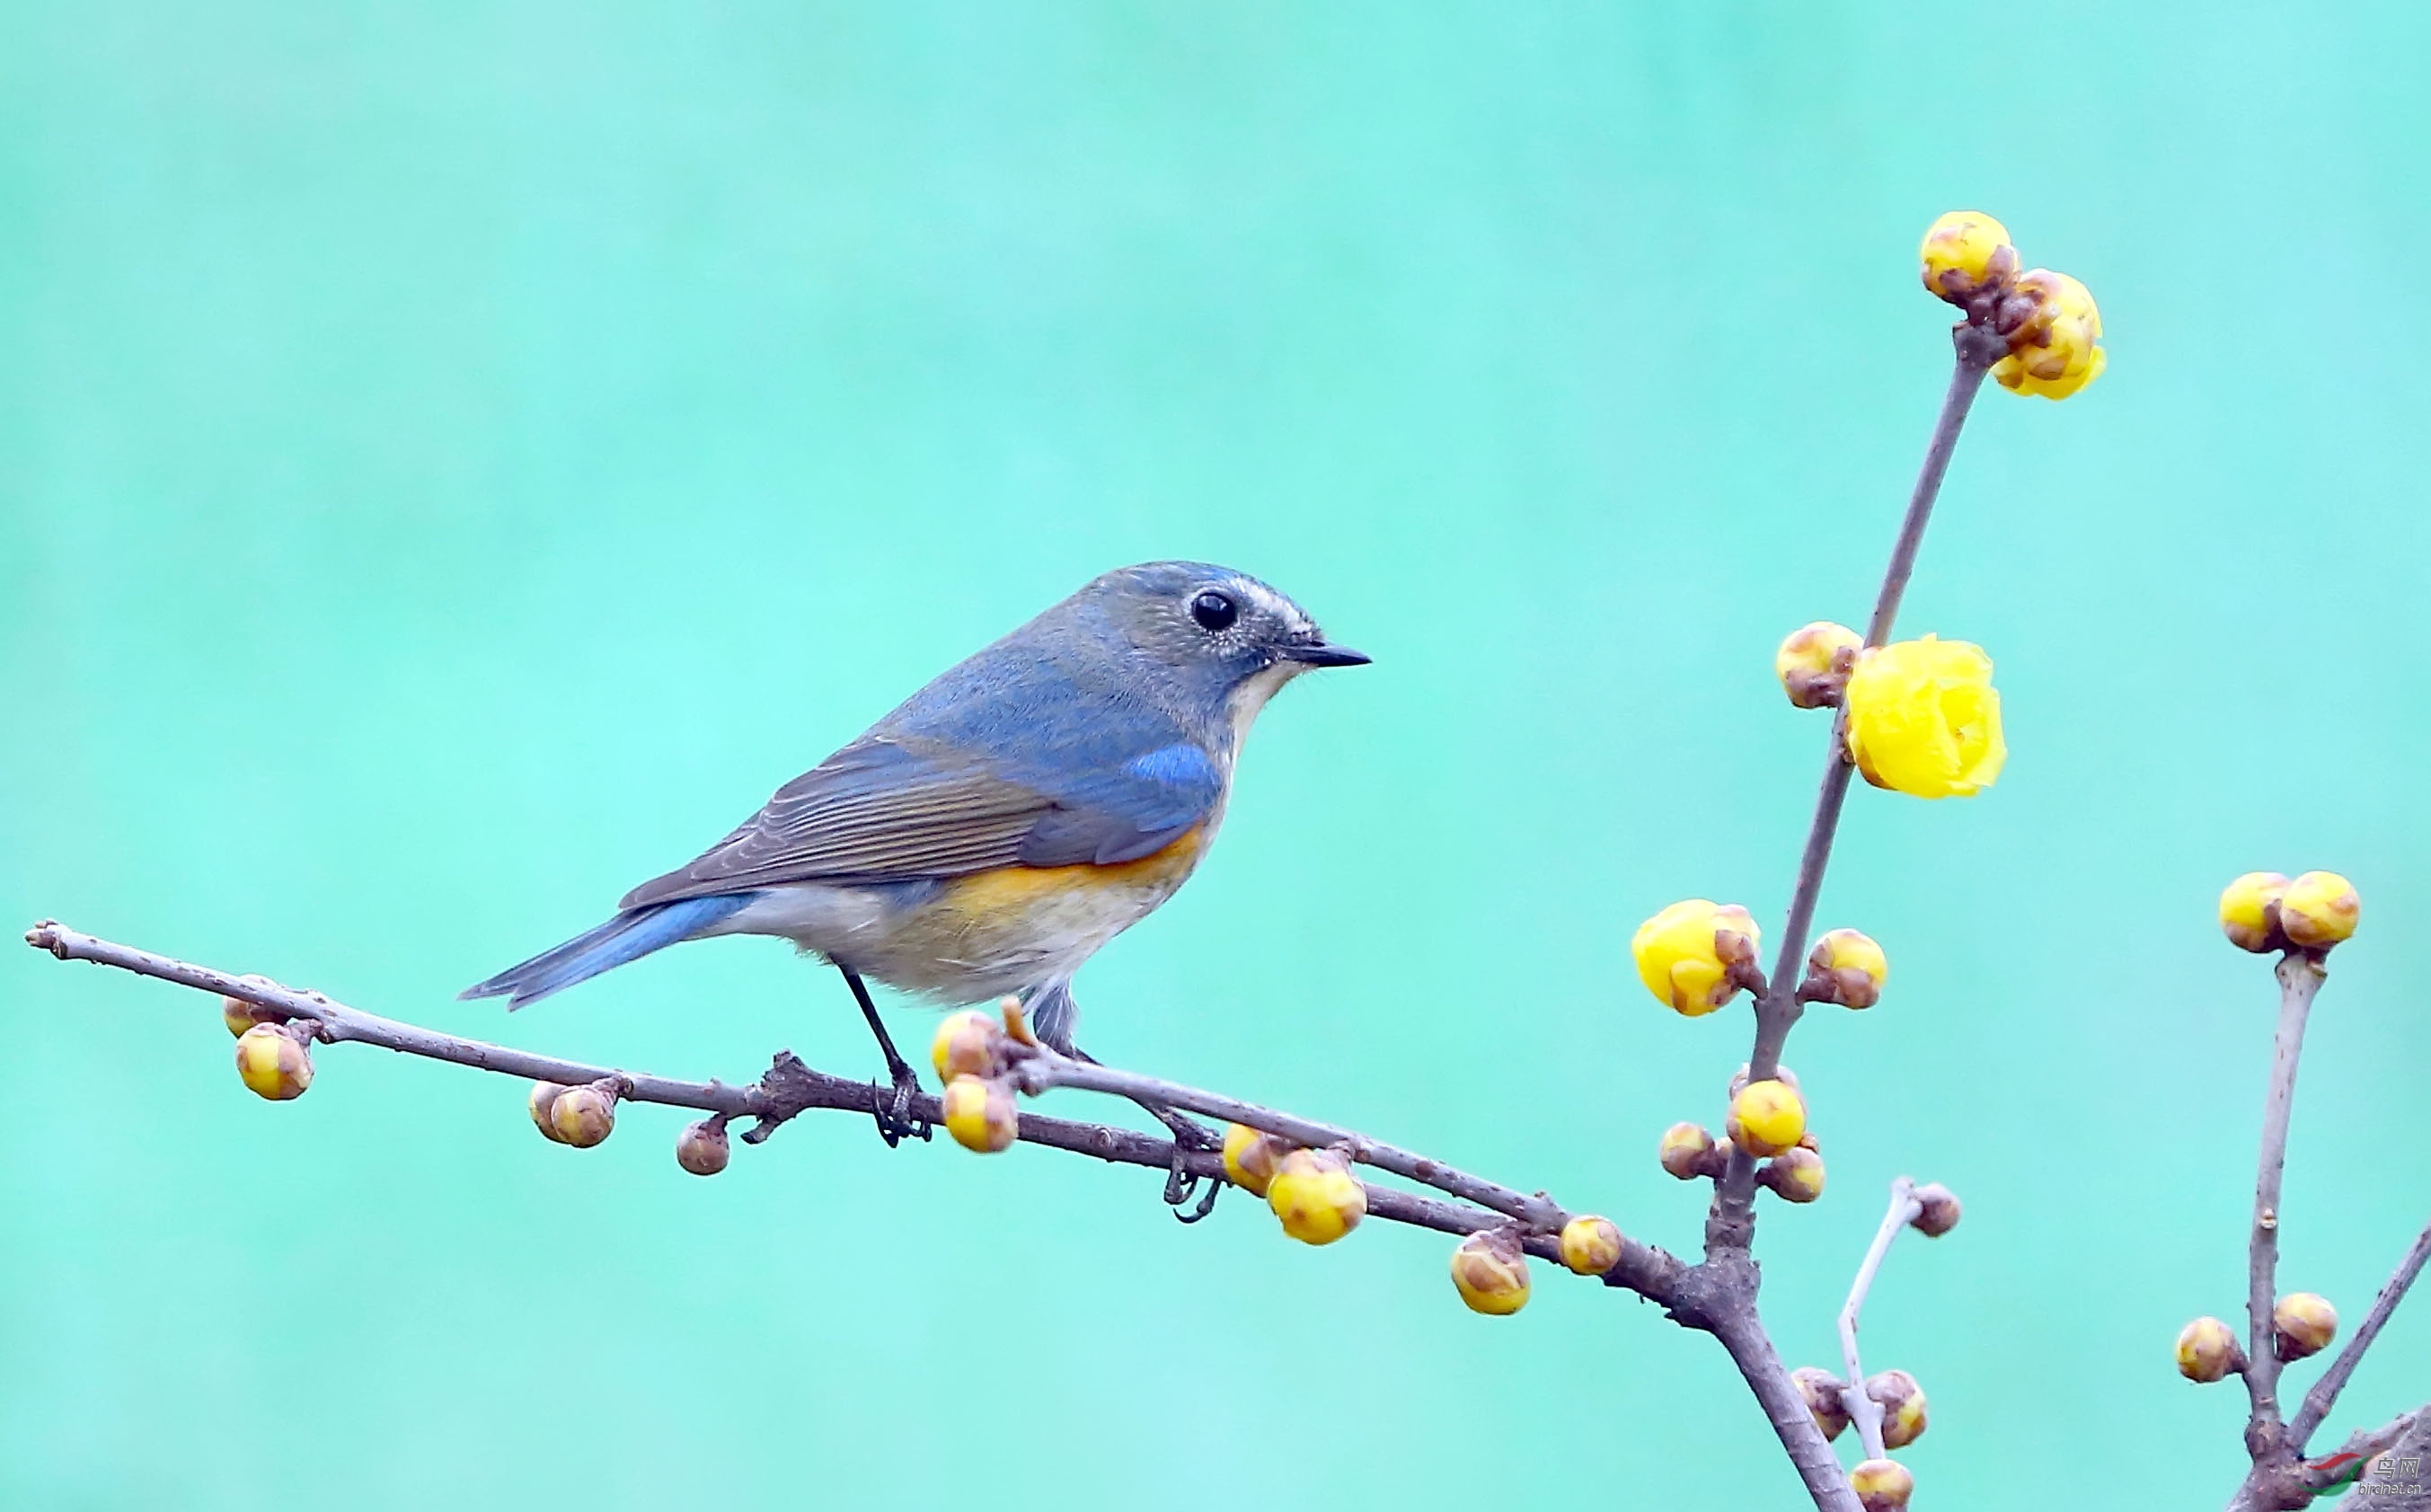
1005	821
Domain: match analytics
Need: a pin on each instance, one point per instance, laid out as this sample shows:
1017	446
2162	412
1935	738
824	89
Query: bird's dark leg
1188	1134
893	1111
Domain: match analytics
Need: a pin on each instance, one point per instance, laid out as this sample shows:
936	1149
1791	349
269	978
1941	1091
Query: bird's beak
1320	653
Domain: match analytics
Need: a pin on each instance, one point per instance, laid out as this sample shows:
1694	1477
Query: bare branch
1742	1334
1043	1068
1862	1410
2324	1394
2300	978
791	1087
1732	1224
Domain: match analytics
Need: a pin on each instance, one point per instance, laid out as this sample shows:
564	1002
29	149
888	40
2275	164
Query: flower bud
702	1149
1882	1484
584	1116
542	1100
1767	1117
1813	663
2249	909
1847	968
2053	325
1902	1404
1688	1151
2209	1350
1779	1073
2319	910
1491	1273
1923	718
1820	1391
1936	1210
1965	251
1251	1156
980	1114
1316	1196
968	1043
1796	1174
1695	956
274	1061
2303	1323
239	1015
1590	1245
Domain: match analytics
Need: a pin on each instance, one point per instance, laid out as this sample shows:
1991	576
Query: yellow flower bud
1923	718
1820	1391
1882	1484
274	1062
1251	1156
980	1114
541	1105
2303	1323
2209	1350
2249	909
1688	1151
1936	1210
1767	1117
239	1015
1813	664
1779	1073
970	1042
1316	1196
2052	349
702	1149
1964	251
2319	910
1902	1404
1847	968
1796	1174
1590	1245
584	1116
1694	956
1491	1273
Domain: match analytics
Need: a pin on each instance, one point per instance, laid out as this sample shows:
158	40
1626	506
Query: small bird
1003	824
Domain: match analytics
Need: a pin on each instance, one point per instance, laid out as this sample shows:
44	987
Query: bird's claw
890	1107
1181	1184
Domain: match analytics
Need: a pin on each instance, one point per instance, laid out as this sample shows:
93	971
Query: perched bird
1009	818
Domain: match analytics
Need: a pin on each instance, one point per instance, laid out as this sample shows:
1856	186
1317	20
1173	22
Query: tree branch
790	1087
2300	978
2324	1394
1732	1222
1862	1410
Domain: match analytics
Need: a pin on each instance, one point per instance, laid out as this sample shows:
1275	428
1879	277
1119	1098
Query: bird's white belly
974	937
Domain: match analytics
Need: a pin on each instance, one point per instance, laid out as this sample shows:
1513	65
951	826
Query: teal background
455	460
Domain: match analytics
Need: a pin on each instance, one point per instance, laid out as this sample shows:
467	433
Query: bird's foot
892	1107
1183	1186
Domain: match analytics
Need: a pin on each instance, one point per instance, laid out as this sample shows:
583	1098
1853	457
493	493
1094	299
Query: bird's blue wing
902	807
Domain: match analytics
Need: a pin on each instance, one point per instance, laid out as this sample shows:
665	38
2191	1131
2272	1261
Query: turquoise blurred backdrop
455	460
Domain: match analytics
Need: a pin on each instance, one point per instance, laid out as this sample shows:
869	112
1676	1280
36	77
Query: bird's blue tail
629	936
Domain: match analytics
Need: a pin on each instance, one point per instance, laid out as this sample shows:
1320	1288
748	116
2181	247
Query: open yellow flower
1685	954
1923	718
2052	353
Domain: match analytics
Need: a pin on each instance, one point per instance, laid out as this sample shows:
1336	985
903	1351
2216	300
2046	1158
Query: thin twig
2300	978
1731	1226
2285	1486
2324	1394
791	1087
1862	1410
1045	1069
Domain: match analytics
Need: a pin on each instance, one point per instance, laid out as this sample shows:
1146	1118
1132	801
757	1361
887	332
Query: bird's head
1220	637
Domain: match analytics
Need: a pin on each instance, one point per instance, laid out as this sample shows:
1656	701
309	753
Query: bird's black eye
1214	612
